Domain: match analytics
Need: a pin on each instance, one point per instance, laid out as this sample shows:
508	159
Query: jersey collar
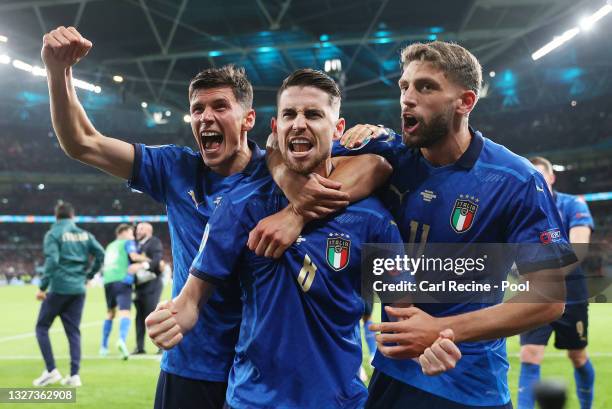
472	153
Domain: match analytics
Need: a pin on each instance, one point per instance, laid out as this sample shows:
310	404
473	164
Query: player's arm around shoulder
62	48
314	197
361	175
543	262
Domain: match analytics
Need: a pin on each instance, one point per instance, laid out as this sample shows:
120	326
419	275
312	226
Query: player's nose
208	115
408	98
299	122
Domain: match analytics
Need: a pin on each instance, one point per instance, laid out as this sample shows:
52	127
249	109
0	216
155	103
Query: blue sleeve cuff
586	224
206	277
134	182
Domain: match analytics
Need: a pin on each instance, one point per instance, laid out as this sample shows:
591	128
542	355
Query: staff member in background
67	251
149	283
118	280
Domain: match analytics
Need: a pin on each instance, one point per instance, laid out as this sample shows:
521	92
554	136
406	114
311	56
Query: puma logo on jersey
191	194
397	192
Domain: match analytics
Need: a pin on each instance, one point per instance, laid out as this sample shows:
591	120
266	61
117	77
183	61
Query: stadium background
559	106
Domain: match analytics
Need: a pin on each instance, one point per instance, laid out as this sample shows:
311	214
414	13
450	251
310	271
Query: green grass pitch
110	382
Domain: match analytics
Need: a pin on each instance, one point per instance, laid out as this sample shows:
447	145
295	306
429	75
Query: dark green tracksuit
68	250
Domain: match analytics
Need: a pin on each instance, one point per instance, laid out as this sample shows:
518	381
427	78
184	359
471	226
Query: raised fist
63	47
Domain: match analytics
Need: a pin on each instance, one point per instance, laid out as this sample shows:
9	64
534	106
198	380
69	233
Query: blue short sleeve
152	168
580	214
224	240
389	147
535	223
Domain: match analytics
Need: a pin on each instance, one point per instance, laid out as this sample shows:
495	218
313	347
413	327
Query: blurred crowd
555	128
21	251
92	200
32	149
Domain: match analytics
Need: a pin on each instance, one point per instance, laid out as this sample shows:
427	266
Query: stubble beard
429	133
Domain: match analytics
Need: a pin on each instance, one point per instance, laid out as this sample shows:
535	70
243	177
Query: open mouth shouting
409	123
211	141
299	146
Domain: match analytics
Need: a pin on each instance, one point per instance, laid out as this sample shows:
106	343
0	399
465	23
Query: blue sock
370	337
124	326
585	379
530	375
106	330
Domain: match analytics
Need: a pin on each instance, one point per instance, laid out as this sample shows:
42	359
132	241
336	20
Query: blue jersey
300	343
131	247
177	177
505	201
574	212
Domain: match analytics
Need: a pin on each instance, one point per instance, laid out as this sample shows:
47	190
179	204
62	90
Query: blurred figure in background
118	281
67	249
572	328
149	282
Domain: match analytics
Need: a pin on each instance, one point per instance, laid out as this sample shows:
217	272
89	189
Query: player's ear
272	142
466	102
248	121
273	124
339	129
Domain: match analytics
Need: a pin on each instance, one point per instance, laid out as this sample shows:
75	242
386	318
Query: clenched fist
62	48
170	320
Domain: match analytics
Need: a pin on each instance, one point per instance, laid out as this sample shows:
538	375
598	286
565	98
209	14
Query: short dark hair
121	228
307	77
226	76
63	210
456	62
541	161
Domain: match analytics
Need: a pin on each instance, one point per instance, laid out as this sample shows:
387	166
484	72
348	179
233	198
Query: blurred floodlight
333	65
3	39
20	65
117	78
558	168
585	24
144	104
588	22
83	84
555	43
38	71
4	59
187	118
